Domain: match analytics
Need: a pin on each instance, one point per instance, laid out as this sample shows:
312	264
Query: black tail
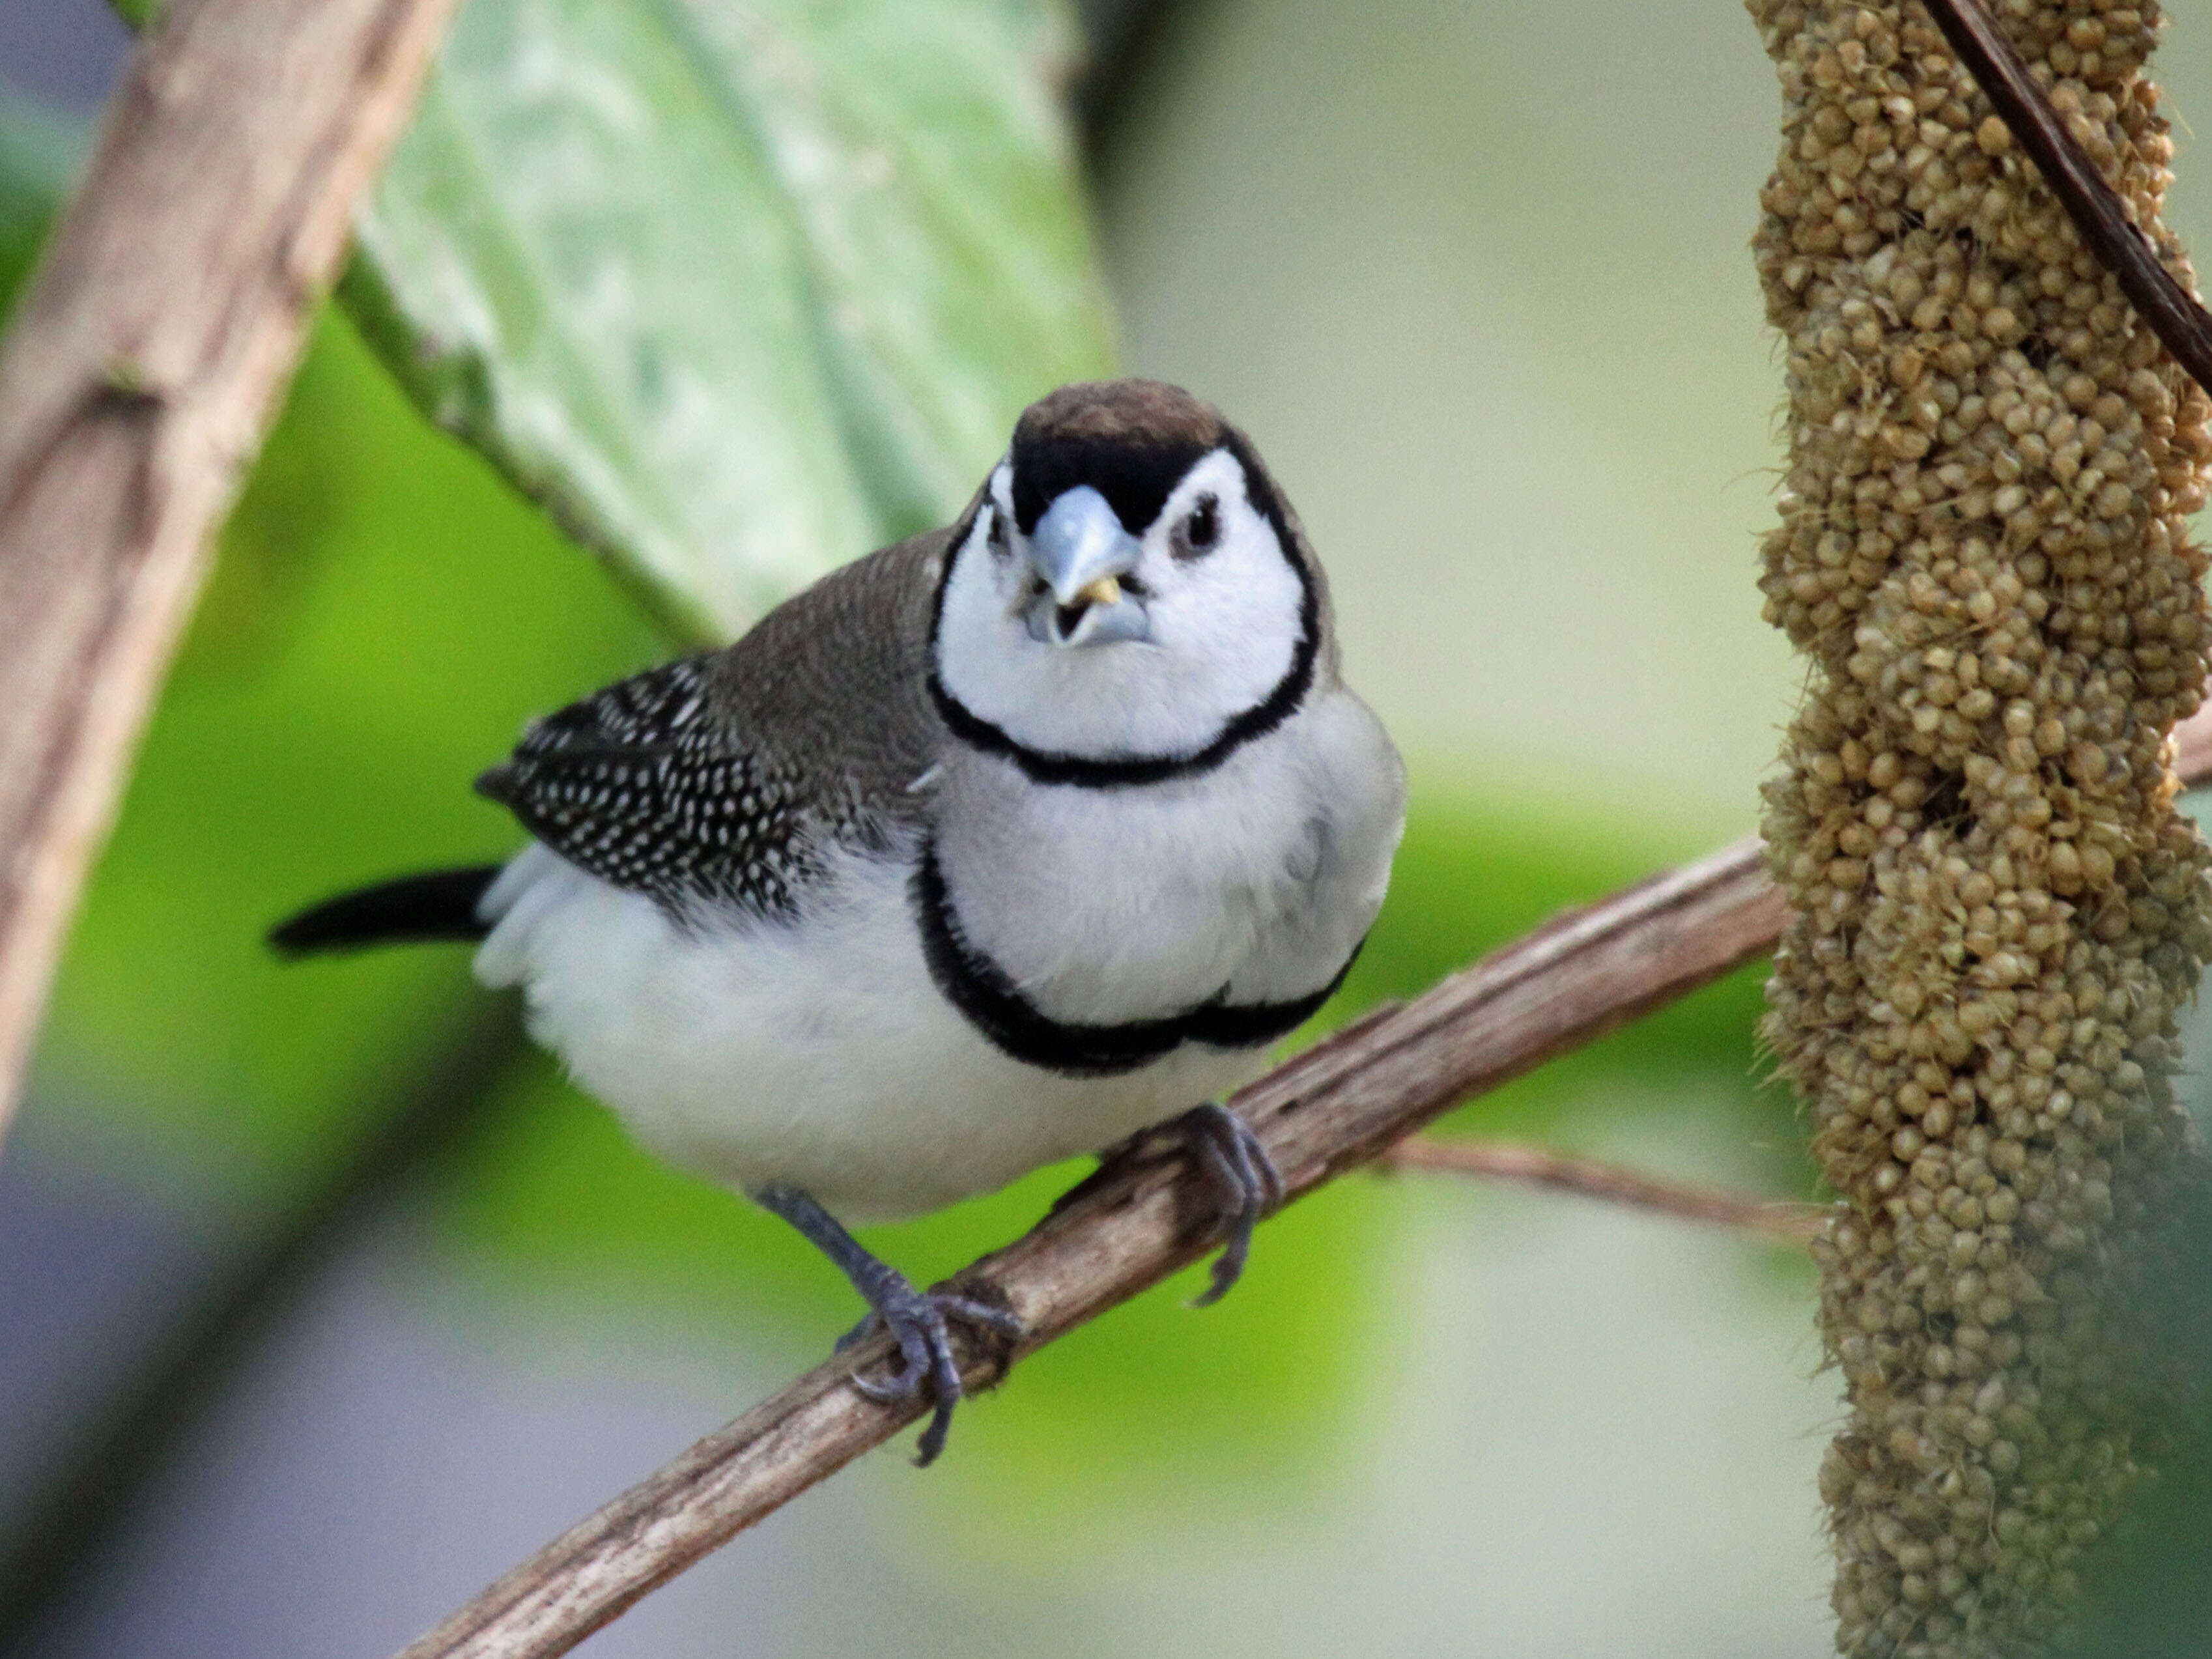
412	911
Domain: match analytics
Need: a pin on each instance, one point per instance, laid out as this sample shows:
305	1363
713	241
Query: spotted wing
643	785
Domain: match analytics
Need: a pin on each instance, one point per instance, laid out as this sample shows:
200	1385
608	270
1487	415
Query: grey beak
1077	549
1078	541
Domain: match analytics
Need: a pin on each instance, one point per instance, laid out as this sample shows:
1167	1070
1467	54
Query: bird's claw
1250	1185
920	1323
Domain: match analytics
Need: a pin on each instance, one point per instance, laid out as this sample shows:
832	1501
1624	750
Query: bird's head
1128	589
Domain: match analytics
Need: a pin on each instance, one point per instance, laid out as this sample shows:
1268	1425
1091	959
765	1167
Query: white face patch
1225	624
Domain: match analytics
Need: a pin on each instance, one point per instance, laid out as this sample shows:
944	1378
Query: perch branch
1533	1166
2094	206
138	379
1337	1106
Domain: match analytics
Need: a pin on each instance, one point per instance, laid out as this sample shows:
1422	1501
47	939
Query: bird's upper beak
1080	552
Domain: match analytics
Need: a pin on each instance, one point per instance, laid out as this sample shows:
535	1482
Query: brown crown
1131	441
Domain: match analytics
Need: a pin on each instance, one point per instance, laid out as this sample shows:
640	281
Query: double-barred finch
993	847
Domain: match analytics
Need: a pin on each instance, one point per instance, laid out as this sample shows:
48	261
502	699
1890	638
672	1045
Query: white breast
1261	875
817	1054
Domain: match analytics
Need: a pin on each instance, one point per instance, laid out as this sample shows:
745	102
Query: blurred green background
1473	277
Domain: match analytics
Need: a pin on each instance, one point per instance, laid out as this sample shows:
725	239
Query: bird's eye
1198	533
997	536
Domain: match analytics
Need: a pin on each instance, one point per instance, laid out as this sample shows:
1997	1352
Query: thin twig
1533	1166
2094	206
139	375
1337	1106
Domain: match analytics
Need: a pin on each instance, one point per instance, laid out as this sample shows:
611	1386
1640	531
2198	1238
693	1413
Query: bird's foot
920	1322
1250	1185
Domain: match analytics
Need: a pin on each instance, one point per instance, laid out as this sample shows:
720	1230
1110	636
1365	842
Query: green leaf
740	292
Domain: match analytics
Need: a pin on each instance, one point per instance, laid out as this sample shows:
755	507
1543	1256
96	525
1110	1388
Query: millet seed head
1983	551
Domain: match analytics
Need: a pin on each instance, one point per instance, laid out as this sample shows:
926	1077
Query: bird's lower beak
1101	614
1079	553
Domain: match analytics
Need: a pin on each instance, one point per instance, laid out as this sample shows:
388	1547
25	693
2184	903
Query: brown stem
1536	1167
138	378
1339	1105
2093	205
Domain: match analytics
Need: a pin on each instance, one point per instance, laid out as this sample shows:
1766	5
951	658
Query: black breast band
987	996
1131	771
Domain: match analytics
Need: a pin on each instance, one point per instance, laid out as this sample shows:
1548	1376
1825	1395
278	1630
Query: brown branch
138	378
1334	1107
1533	1166
2093	205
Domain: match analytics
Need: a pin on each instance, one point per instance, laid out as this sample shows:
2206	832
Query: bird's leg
1250	1183
916	1319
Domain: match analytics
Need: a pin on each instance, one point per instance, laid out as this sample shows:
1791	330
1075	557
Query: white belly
819	1057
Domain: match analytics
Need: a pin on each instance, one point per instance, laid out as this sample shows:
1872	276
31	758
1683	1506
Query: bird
1005	844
